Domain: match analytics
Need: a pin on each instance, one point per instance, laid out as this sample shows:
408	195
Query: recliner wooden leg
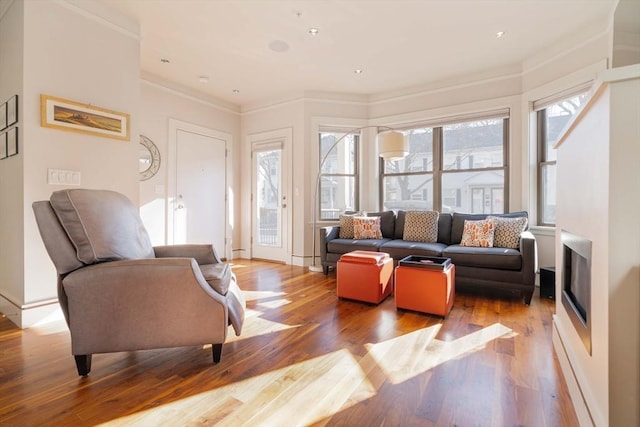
217	352
83	364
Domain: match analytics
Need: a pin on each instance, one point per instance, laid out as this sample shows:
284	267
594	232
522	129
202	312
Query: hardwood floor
305	358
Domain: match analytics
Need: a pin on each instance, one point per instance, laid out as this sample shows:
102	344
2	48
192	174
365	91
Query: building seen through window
552	119
467	173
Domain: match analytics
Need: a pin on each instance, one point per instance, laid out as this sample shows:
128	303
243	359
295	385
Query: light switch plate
63	177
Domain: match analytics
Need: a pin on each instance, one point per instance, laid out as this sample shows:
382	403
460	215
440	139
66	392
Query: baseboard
27	315
239	254
577	398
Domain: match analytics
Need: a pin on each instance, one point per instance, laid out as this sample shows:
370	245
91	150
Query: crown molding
190	94
103	15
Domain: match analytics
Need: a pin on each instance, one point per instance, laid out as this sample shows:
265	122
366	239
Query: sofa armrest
529	251
327	234
203	254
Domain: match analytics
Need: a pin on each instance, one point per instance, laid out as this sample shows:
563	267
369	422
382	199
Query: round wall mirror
149	158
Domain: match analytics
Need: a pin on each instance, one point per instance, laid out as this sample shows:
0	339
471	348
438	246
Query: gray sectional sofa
477	268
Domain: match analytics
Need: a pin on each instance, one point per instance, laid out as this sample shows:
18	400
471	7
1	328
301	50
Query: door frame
172	171
264	139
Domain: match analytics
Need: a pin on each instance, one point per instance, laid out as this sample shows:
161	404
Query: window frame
540	108
344	133
542	163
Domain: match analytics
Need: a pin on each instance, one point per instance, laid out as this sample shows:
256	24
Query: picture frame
3	146
59	113
3	116
12	110
12	142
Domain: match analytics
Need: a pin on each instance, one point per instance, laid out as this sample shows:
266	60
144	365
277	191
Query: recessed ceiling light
203	79
499	34
313	31
358	71
164	60
279	46
236	91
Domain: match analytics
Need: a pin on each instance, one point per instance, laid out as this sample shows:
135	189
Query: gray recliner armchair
118	293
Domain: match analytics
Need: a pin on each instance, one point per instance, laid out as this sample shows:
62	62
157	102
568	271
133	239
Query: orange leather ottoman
428	290
365	276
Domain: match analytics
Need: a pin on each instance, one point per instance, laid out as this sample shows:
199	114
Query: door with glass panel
269	203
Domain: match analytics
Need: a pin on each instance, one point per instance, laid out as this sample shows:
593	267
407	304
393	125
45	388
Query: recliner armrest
203	254
150	302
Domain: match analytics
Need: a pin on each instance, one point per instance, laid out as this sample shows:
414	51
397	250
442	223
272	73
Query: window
474	166
338	186
551	120
454	167
408	183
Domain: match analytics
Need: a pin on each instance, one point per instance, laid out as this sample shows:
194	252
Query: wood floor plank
305	357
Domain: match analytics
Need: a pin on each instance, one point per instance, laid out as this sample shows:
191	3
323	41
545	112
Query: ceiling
263	49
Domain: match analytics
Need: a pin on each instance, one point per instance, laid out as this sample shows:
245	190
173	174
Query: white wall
70	53
159	104
285	115
11	169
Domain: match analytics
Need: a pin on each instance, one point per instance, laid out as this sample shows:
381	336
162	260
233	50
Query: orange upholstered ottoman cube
428	289
365	276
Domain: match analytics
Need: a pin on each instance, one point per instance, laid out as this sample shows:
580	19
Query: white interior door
199	199
269	202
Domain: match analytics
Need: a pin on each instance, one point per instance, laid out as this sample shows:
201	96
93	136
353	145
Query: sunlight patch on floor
274	304
258	295
254	326
273	398
417	352
54	323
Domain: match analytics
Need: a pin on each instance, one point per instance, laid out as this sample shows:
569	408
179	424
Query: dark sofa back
457	225
387	223
444	227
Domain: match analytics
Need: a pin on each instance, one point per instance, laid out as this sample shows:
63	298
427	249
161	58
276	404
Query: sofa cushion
387	223
457	223
342	246
498	258
346	226
444	227
421	226
366	227
508	231
399	249
478	233
102	225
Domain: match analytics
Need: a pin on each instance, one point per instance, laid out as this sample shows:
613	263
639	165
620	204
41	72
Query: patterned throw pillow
508	231
346	227
366	227
421	226
478	233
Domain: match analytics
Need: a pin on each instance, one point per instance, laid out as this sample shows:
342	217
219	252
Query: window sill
540	230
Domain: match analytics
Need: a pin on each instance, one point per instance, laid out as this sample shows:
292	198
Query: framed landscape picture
85	118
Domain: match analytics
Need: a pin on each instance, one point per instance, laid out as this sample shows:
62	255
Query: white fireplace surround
598	193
